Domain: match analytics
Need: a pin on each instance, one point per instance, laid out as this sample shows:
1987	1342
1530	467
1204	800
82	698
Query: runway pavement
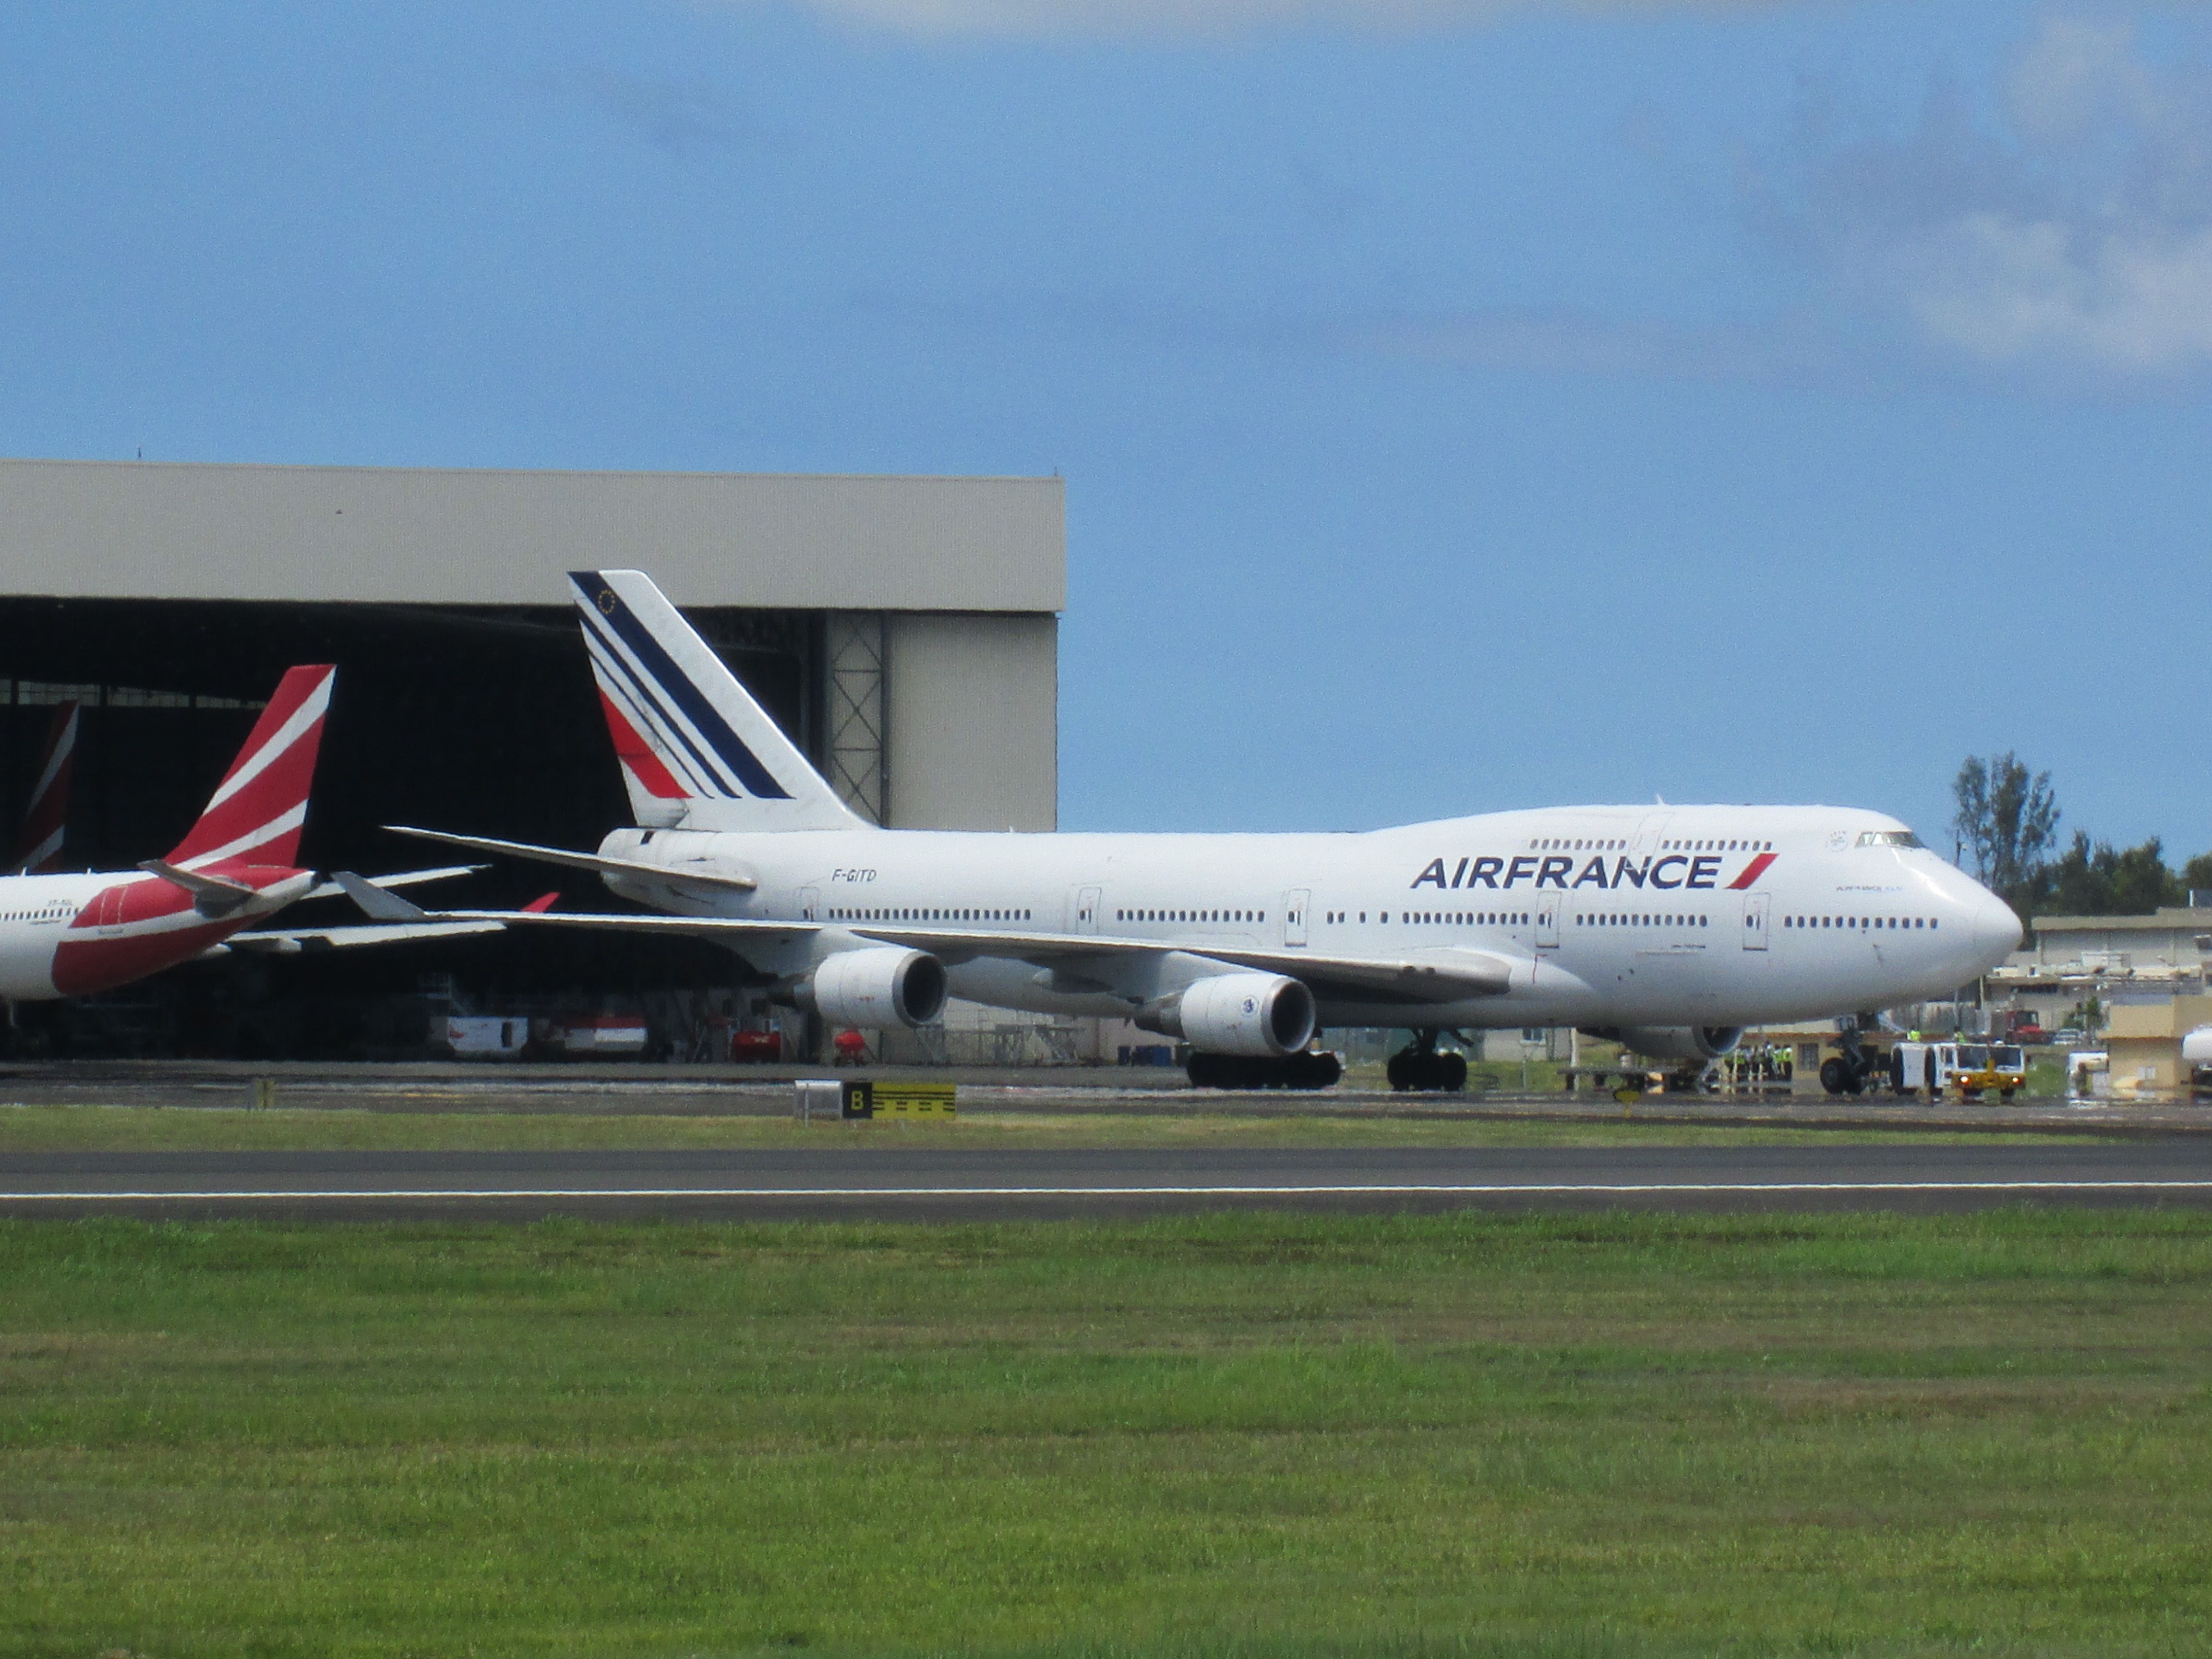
849	1182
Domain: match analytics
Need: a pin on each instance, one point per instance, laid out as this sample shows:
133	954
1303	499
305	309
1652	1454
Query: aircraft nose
1996	930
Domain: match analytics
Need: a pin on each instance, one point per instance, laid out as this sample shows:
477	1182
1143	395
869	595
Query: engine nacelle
1253	1015
884	986
1674	1041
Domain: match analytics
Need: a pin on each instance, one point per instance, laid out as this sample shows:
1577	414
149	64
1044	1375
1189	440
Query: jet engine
874	988
1254	1015
1674	1041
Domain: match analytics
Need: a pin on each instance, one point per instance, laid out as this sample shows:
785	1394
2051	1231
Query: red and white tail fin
256	812
46	821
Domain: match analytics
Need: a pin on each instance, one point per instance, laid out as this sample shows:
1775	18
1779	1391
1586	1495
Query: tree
2196	875
2100	880
2010	820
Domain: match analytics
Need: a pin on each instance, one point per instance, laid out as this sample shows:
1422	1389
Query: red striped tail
46	822
256	812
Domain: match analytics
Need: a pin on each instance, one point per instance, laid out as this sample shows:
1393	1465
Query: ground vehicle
1972	1068
2196	1056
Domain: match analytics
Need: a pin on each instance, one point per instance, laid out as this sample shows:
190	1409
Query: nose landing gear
1419	1066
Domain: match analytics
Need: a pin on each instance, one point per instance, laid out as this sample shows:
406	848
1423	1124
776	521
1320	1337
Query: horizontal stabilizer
211	896
725	881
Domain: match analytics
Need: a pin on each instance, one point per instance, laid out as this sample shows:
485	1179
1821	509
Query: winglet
375	903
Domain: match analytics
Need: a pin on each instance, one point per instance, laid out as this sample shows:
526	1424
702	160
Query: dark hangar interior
877	618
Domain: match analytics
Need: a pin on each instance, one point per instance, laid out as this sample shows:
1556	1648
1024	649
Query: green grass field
1247	1434
138	1128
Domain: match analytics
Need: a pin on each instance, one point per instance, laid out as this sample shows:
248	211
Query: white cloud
2076	73
1107	18
2065	227
2007	291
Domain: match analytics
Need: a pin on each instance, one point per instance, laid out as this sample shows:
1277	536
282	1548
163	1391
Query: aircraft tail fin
257	810
46	821
696	748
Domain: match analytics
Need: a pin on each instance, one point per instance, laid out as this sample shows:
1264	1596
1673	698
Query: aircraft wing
404	878
1418	976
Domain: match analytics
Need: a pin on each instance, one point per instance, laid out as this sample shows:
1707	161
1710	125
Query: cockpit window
1889	838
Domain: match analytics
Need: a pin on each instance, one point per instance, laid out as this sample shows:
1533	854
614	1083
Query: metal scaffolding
858	766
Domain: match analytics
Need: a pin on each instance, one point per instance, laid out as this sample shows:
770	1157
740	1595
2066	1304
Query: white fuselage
71	935
1609	916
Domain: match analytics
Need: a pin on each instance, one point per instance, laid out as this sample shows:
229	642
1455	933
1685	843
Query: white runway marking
1345	1189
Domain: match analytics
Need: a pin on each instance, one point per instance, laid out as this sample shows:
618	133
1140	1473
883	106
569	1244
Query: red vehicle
762	1048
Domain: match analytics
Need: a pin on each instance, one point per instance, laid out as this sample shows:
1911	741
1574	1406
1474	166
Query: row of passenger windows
1640	918
925	914
1860	921
1569	844
1190	915
45	913
1443	918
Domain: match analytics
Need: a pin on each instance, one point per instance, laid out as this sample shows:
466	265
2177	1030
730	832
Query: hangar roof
421	535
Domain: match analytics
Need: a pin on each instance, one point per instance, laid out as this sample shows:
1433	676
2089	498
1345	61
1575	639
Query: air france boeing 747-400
1670	927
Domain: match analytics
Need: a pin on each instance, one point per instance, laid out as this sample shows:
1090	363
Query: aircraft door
1547	924
1294	916
1083	910
1650	831
810	904
1754	921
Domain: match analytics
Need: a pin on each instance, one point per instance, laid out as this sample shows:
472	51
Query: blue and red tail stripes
695	746
637	674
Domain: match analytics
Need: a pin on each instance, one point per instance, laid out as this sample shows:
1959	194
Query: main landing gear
1849	1072
1298	1070
1420	1066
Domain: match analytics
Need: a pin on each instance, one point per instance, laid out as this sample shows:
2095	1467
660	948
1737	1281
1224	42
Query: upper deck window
1889	838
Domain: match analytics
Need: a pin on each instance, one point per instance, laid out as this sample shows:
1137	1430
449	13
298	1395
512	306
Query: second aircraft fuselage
1608	916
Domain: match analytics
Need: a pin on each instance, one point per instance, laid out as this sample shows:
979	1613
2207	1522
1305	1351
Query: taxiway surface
965	1183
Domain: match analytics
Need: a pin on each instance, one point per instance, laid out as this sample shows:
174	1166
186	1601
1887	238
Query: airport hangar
904	631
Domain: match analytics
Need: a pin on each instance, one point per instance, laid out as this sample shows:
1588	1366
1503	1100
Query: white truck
1973	1069
2196	1056
485	1036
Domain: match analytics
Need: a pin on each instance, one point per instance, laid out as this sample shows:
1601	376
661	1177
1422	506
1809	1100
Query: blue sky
1463	405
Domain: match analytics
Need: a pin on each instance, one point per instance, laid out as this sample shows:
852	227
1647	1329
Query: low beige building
2143	1043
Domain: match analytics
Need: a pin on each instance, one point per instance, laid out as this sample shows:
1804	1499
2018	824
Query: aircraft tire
1310	1071
1299	1071
1833	1074
1208	1072
1453	1073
